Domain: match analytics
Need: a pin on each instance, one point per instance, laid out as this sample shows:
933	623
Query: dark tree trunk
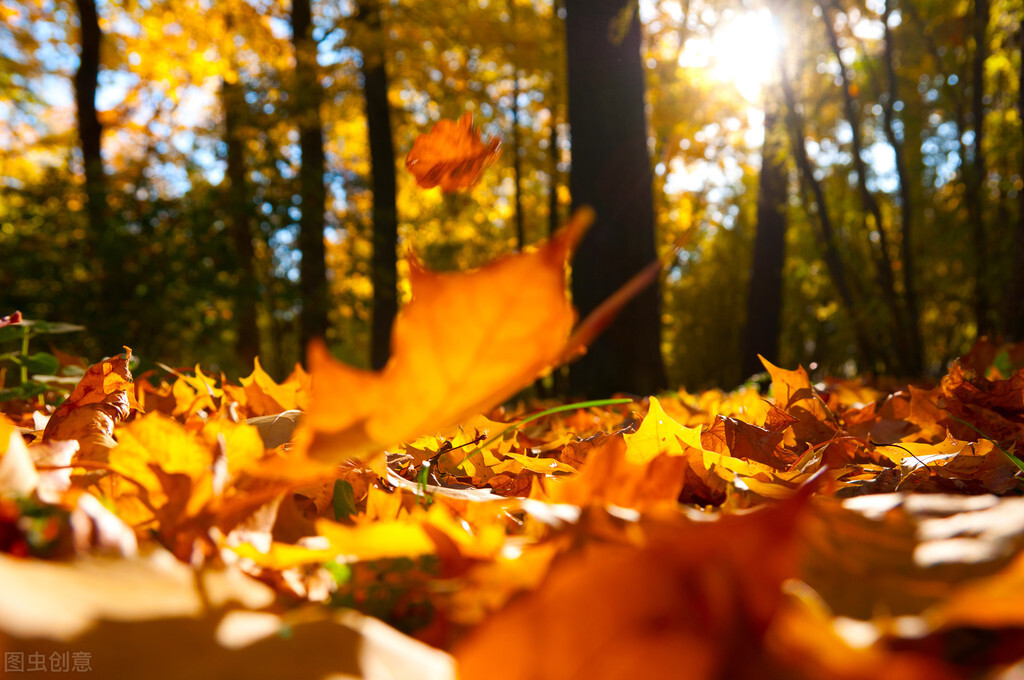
827	237
383	273
102	242
307	98
517	165
1015	321
554	180
611	171
912	306
517	140
880	252
975	170
764	297
240	222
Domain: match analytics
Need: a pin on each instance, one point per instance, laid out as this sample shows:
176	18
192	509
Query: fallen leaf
118	614
671	597
103	398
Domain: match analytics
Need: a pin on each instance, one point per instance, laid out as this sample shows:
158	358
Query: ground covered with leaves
404	523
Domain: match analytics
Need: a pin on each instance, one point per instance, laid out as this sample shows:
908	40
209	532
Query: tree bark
915	365
307	97
882	260
517	141
102	242
611	171
240	222
384	273
764	297
830	251
1015	322
975	170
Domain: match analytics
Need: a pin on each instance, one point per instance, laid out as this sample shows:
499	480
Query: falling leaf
451	155
465	342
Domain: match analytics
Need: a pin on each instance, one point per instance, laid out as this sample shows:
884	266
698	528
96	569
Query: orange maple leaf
452	155
465	342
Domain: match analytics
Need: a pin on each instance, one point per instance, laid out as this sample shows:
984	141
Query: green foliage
40	373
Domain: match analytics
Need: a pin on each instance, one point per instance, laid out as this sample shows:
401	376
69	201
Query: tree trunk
240	221
90	133
912	306
611	171
1015	320
517	141
307	97
975	170
383	274
880	252
827	237
764	297
517	165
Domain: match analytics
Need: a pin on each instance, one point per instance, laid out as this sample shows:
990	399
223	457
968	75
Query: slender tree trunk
1016	316
882	260
915	365
555	179
240	221
764	297
517	141
611	171
383	275
975	171
90	133
830	251
517	164
307	97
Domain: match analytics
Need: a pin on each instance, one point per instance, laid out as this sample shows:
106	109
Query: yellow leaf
659	433
158	441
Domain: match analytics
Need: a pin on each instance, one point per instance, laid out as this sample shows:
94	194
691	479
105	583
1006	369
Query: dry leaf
464	343
451	155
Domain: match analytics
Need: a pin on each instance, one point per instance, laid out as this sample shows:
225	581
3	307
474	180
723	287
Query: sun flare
742	50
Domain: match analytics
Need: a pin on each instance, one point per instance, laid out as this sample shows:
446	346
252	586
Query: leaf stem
1016	461
24	355
546	412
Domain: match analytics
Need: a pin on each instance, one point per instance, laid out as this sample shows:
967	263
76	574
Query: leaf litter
405	523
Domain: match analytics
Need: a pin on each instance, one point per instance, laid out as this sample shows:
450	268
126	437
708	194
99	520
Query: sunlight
742	51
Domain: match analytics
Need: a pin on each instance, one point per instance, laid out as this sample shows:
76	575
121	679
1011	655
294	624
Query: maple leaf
260	395
103	398
671	597
465	342
451	155
795	395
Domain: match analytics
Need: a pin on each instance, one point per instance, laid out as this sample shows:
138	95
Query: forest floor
398	524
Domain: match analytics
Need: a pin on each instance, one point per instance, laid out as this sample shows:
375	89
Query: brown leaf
795	395
742	440
451	155
103	398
